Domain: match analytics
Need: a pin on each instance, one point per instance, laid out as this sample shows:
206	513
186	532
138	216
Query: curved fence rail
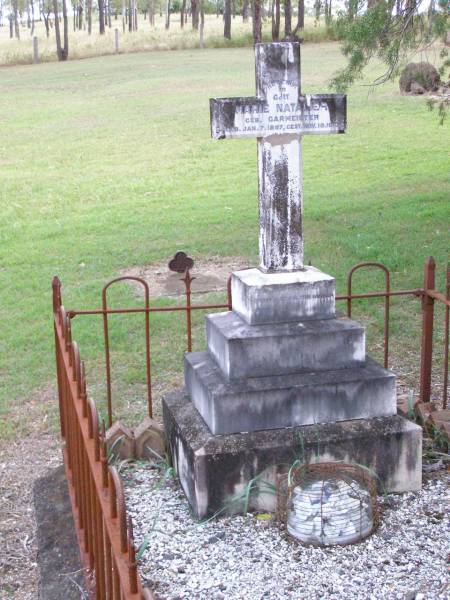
105	535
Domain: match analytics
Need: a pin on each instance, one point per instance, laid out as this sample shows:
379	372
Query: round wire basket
326	504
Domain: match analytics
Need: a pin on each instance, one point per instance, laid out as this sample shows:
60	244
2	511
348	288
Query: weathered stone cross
278	116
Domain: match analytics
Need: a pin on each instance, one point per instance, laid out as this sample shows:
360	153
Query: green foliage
389	31
443	104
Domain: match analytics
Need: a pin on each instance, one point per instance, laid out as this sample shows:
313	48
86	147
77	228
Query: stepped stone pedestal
283	379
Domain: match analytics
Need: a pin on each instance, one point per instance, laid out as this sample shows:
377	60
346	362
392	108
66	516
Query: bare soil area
28	465
211	275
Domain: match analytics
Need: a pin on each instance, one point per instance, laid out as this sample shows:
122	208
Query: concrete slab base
284	401
282	297
215	470
243	350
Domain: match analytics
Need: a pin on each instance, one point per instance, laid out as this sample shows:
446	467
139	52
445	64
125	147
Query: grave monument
284	378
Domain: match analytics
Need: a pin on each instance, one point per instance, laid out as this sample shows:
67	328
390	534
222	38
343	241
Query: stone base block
150	440
243	350
285	401
120	441
215	471
282	297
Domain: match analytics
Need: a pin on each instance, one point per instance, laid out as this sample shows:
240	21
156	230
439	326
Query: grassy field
108	163
146	38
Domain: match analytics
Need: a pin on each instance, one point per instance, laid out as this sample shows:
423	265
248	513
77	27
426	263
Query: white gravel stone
244	557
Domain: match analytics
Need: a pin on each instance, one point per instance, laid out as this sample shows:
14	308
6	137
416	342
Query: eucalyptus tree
62	49
392	31
227	20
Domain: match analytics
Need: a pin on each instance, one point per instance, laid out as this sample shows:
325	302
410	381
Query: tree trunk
287	19
167	14
101	17
301	14
227	20
275	20
245	11
256	17
89	16
328	15
45	16
202	24
11	26
182	11
318	7
57	32
66	31
16	19
194	11
62	51
32	19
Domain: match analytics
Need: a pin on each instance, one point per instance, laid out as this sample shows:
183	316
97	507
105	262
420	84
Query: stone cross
278	116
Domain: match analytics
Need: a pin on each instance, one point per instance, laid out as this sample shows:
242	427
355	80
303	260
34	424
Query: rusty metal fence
105	533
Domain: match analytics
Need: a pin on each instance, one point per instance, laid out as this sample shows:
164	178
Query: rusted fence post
187	282
446	337
427	330
56	287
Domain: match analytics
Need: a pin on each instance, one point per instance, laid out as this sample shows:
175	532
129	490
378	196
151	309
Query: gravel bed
247	557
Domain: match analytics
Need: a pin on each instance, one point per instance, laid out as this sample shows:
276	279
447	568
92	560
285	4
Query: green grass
108	163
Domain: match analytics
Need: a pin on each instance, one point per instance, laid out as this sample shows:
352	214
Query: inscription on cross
278	116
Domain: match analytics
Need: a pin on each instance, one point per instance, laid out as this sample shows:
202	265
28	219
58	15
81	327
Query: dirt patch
33	453
211	275
61	575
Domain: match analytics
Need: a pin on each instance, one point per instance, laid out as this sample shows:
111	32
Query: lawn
107	163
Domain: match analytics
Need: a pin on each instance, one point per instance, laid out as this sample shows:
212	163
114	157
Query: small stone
260	563
168	556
